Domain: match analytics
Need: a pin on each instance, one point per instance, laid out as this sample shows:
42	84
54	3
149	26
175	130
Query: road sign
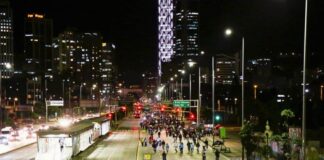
181	103
59	103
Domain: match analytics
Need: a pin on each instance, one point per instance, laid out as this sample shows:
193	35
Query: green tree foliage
248	140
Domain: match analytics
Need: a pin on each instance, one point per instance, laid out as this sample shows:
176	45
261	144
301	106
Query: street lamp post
190	86
199	97
181	97
321	90
15	100
213	96
255	87
181	80
304	84
229	32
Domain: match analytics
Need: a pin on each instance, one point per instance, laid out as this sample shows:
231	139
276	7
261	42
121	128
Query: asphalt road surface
25	153
121	144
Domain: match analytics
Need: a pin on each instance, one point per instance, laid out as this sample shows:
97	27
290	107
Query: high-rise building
106	68
186	29
38	43
165	32
66	45
6	40
86	58
226	69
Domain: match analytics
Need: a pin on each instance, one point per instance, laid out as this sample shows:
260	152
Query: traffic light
109	115
163	108
123	108
178	110
192	116
218	118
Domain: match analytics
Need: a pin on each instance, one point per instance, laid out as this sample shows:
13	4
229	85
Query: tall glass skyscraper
6	39
186	29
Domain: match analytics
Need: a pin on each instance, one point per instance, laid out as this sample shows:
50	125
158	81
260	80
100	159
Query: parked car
4	140
6	132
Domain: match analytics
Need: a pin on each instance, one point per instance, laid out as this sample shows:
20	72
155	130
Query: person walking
204	155
163	144
206	143
188	146
217	154
175	147
164	156
181	147
154	145
167	147
192	147
198	147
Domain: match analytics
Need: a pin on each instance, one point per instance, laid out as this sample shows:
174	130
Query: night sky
267	25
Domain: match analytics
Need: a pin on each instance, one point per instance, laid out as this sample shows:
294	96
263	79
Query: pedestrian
188	145
204	149
142	142
206	143
159	134
167	147
154	147
163	144
164	156
181	147
217	154
145	142
192	147
204	155
175	147
198	146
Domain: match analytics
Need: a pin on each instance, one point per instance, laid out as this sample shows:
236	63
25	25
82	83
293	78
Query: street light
304	86
321	96
182	72
15	100
190	64
255	90
229	32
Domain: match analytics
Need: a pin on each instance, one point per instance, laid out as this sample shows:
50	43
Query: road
121	144
25	153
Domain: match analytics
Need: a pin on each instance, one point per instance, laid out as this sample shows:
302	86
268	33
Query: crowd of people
182	137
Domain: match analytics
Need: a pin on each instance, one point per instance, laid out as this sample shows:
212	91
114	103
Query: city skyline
262	38
84	79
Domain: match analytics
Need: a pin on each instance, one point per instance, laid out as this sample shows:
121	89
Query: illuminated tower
165	19
6	39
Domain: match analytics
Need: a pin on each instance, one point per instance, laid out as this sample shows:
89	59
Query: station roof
74	129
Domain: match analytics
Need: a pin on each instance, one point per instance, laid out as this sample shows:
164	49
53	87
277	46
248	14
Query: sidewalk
172	155
233	142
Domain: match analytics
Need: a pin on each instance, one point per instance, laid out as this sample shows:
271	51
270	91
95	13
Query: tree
287	114
248	139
